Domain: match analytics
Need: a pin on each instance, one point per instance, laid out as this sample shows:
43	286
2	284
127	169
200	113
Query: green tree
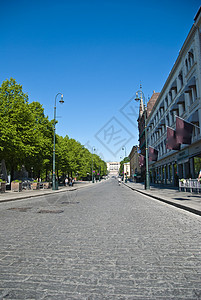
26	138
17	134
121	169
42	157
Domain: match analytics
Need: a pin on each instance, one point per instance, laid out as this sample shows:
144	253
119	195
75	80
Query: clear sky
95	52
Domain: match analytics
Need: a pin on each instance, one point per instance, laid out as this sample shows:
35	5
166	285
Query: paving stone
113	244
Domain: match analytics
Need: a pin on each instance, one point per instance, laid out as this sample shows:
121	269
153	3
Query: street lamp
54	175
140	98
99	173
92	171
124	148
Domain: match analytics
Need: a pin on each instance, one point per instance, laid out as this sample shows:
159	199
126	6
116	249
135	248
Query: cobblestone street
102	242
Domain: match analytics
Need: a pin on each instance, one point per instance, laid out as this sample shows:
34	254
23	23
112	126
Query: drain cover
67	202
47	211
23	209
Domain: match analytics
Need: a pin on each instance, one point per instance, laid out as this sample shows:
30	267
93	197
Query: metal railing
190	185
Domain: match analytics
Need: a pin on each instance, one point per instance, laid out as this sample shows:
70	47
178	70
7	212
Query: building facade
135	170
141	126
180	96
113	168
126	170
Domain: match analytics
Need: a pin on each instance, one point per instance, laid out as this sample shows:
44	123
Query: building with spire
141	125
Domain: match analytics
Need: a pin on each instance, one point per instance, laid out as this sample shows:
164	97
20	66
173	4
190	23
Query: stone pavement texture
185	200
102	242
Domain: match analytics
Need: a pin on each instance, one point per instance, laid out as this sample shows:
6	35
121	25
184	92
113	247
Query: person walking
199	175
66	181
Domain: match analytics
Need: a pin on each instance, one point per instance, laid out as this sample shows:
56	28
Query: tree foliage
121	169
26	138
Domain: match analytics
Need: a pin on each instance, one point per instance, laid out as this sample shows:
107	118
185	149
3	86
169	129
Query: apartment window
167	120
181	79
194	92
186	64
183	107
190	58
171	118
170	96
166	102
164	147
173	88
191	90
161	148
181	101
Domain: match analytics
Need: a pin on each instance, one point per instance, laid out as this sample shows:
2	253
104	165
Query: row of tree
26	139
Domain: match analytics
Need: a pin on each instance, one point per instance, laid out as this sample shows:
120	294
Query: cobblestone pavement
103	242
185	200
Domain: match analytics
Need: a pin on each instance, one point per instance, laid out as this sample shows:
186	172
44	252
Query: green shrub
17	180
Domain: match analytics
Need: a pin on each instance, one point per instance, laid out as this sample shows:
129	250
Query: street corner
113	136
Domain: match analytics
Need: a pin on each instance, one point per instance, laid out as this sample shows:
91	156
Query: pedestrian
66	181
199	175
70	182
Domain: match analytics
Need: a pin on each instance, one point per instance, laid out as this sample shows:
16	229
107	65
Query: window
192	94
186	63
167	121
166	102
161	148
190	58
170	96
173	88
181	80
171	120
183	107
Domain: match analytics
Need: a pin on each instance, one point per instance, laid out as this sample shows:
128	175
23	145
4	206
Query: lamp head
137	98
61	101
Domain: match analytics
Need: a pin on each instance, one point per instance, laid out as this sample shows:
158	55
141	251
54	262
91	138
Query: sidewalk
11	196
184	200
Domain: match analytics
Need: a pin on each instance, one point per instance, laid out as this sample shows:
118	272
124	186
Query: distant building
135	170
127	169
113	168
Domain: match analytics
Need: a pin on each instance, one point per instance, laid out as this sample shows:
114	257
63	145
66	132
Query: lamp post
140	98
120	167
92	171
124	148
53	170
99	173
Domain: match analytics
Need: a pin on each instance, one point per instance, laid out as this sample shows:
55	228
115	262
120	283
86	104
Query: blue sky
96	53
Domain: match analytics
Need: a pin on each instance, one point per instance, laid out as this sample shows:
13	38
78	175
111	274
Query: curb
32	196
187	208
46	194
